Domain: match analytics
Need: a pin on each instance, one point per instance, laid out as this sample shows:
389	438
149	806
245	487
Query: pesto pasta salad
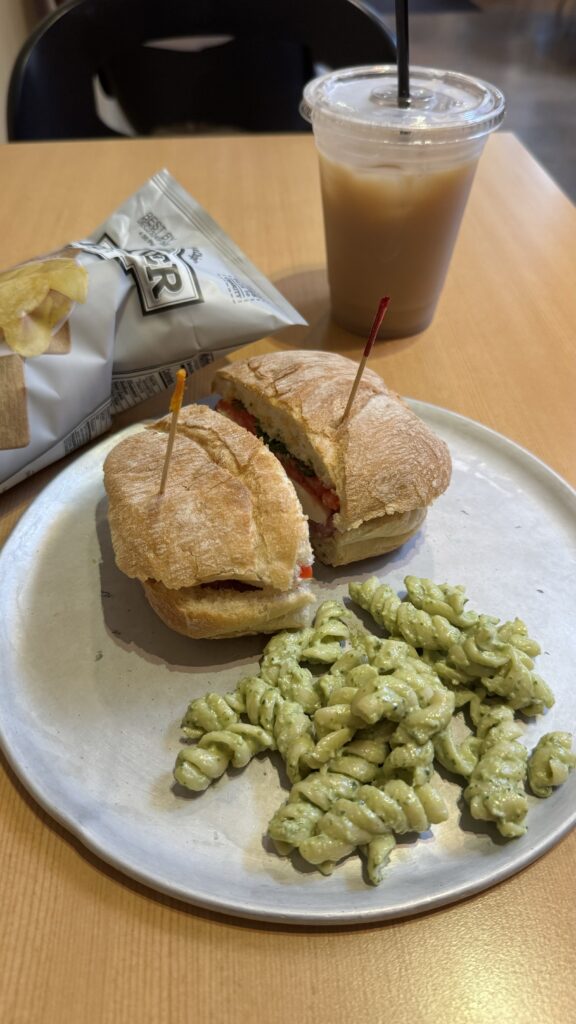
363	720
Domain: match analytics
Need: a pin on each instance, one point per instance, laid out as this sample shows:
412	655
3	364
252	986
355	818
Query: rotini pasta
207	714
503	668
460	758
402	619
337	677
275	724
361	757
333	632
198	766
550	763
410	761
411	694
495	791
361	720
377	853
297	818
393	807
440	599
286	721
355	763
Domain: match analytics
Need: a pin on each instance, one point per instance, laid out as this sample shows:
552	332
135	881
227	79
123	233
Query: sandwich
365	483
224	551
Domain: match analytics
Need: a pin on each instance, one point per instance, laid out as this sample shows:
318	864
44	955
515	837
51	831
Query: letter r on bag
164	279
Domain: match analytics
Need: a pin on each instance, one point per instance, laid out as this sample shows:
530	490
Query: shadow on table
307	290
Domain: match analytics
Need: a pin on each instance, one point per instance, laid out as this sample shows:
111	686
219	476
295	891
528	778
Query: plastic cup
395	181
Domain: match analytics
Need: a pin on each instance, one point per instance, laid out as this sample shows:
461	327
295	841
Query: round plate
94	686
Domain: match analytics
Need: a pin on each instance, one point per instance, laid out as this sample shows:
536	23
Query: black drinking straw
402	44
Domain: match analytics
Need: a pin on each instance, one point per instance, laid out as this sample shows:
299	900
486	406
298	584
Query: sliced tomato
240	415
325	495
306	572
312	484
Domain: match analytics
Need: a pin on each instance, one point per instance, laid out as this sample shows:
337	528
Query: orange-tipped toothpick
175	406
382	307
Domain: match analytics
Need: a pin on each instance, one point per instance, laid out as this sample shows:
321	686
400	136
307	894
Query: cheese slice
311	507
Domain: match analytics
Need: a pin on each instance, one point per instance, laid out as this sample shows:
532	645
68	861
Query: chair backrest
276	44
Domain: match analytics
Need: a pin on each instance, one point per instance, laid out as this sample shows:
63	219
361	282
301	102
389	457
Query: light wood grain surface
79	941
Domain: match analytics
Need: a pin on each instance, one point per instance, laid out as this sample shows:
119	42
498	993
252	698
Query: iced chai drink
394	186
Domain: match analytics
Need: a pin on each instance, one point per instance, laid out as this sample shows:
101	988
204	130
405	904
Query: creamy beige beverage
390	232
395	181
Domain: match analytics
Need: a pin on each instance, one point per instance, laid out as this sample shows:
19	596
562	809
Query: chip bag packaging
106	322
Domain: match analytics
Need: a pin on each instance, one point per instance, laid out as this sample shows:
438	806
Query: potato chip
68	278
54	310
35	300
18	295
28	336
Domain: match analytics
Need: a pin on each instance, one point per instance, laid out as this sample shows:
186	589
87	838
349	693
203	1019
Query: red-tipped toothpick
175	406
382	307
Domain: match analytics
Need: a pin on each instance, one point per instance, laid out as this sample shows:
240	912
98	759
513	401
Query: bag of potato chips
107	322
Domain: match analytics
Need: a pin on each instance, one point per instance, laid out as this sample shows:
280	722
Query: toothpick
175	406
382	307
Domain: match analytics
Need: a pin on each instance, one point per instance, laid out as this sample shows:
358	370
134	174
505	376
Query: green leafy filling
276	447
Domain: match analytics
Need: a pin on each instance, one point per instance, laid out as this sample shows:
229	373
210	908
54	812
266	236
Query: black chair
251	83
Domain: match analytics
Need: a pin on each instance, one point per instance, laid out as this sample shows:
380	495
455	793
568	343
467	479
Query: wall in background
16	20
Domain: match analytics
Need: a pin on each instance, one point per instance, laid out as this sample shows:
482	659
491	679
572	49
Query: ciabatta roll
225	550
366	484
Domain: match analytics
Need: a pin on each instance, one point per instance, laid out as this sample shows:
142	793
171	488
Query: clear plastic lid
444	105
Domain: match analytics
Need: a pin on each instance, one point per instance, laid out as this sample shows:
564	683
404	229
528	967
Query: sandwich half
224	551
365	484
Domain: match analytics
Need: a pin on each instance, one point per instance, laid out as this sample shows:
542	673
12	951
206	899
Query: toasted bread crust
203	613
376	537
383	460
228	511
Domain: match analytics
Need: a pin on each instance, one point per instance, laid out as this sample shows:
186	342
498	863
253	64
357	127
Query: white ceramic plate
93	688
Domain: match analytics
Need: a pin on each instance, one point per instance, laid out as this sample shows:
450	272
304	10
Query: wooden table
80	941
